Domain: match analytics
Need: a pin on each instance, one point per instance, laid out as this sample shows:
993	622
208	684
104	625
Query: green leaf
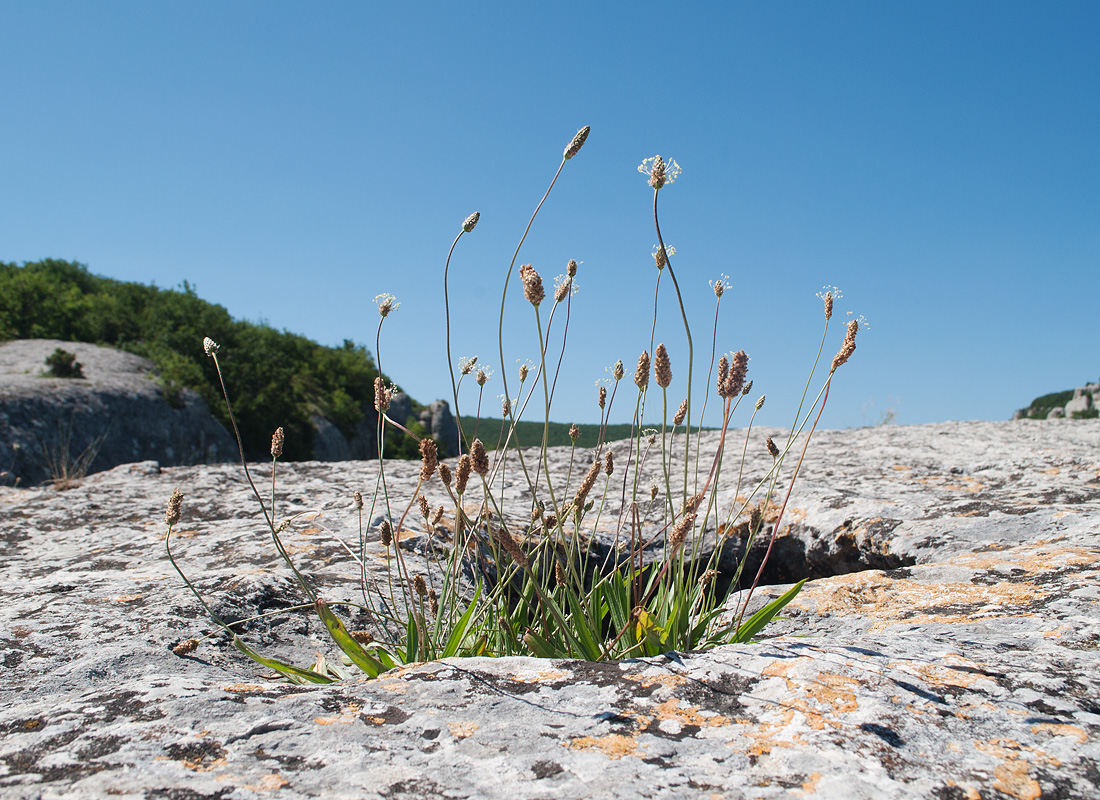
586	637
292	674
542	648
412	640
458	633
360	657
757	621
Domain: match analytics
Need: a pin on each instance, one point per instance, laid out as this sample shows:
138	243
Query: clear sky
938	161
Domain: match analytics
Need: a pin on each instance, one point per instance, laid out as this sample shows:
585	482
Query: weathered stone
1080	403
443	428
118	413
974	671
400	407
328	443
1058	412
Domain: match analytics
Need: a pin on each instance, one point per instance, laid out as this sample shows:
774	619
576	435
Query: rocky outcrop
1085	399
118	413
970	670
438	422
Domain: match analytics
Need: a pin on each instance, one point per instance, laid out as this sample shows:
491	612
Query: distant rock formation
329	444
121	412
117	413
1085	399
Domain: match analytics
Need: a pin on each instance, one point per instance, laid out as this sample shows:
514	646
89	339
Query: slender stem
783	508
687	330
450	362
508	278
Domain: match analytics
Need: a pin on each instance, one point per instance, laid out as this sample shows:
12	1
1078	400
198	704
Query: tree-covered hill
275	378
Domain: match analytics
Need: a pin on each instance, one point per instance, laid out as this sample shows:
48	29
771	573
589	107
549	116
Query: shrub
63	364
536	580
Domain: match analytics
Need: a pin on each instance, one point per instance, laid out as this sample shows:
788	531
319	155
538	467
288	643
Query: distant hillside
275	378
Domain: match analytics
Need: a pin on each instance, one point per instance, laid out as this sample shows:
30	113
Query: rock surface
117	414
971	671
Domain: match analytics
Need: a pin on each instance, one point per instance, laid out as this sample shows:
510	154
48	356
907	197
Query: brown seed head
609	462
387	304
433	602
707	577
386	533
828	306
209	346
363	637
641	373
429	458
466	366
437	516
680	531
735	381
532	285
653	492
760	402
719	287
602	396
577	143
550	522
586	485
357	496
747	389
848	347
692	503
277	440
505	406
571	268
172	515
662	367
773	448
559	572
618	371
479	458
574	432
445	474
185	647
522	373
419	586
723	375
660	255
422	502
681	413
381	395
482	377
513	549
462	476
657	173
561	291
756	517
471	221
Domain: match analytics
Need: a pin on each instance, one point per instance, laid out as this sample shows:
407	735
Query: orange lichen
612	745
810	785
1013	778
1055	729
460	730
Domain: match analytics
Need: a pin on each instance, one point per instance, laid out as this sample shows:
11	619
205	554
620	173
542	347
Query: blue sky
939	162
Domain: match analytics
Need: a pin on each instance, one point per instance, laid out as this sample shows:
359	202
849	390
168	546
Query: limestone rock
1081	402
972	671
117	414
329	444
